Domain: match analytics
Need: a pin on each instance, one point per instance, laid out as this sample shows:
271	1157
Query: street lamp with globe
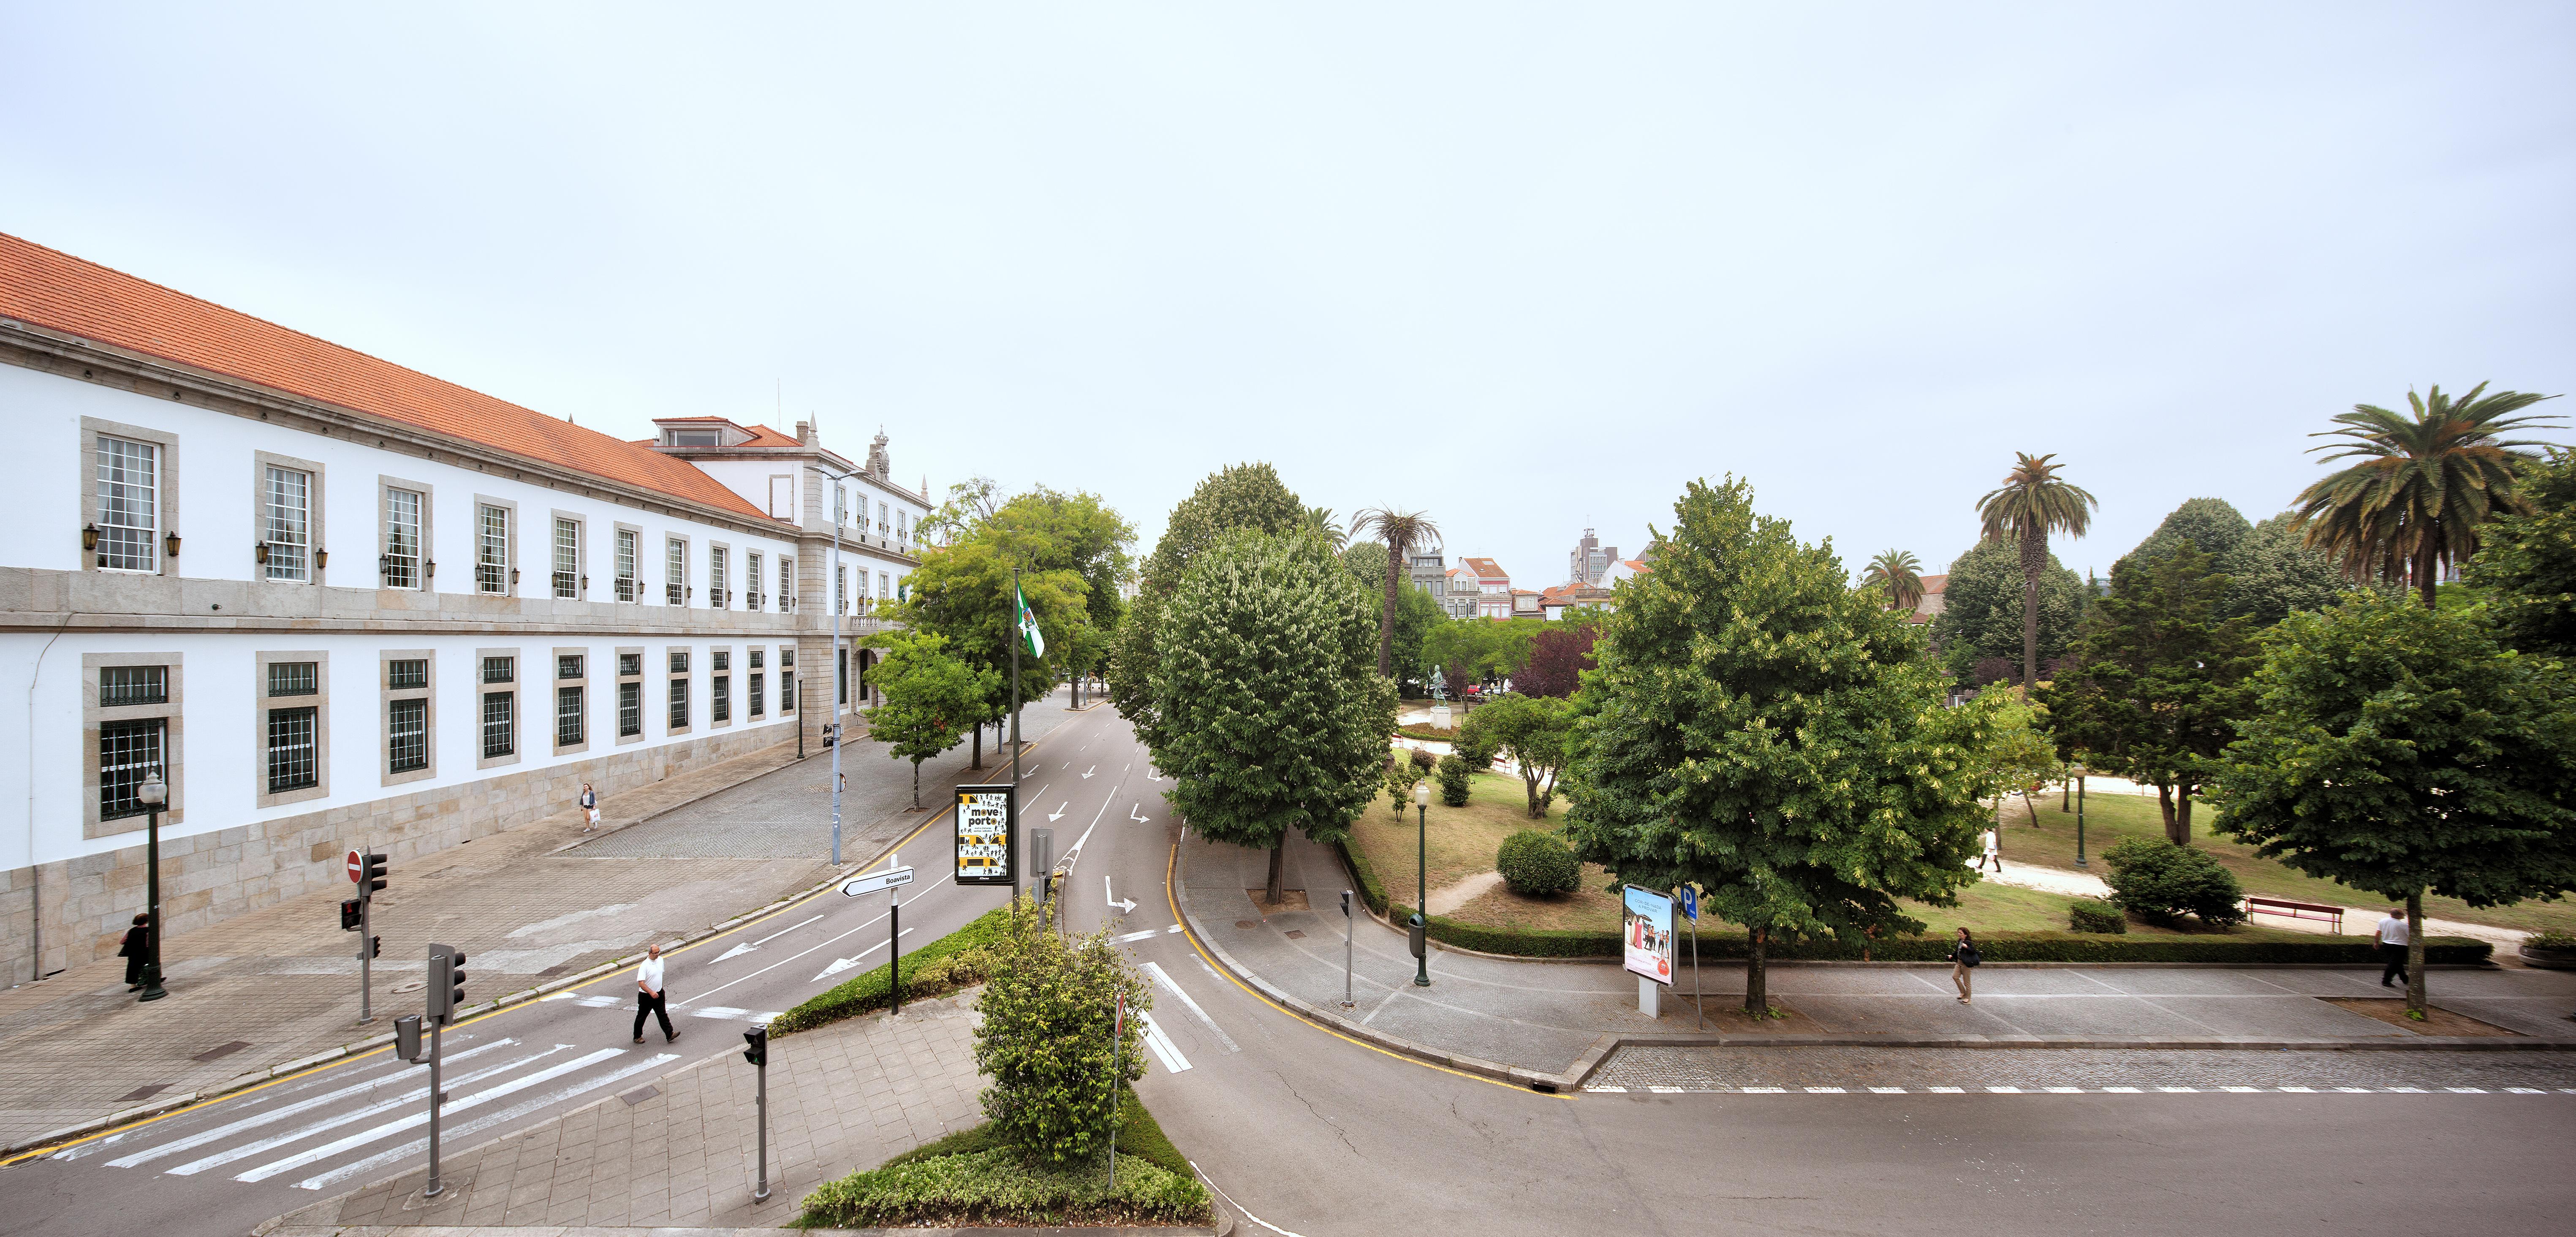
1422	883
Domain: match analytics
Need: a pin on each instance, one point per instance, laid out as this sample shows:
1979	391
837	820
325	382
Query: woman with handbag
1963	957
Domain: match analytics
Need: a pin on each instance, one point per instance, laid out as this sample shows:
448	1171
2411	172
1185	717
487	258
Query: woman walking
589	807
1963	957
138	944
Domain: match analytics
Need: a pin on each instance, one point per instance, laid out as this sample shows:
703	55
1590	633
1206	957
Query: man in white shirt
2392	947
1994	853
649	996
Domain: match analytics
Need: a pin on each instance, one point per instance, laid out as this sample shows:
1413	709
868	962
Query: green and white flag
1029	625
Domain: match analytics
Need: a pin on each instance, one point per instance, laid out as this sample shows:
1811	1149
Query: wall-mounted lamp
514	576
89	536
585	584
260	552
170	543
429	570
321	558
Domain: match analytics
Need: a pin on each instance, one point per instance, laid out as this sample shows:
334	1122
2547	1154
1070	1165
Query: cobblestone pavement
1914	1070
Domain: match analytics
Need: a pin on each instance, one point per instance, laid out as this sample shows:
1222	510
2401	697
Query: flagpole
1018	633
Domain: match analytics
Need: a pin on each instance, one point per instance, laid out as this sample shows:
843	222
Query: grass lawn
2108	818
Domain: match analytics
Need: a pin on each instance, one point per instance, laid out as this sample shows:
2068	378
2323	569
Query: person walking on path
2392	948
589	807
1963	956
138	942
649	997
1994	852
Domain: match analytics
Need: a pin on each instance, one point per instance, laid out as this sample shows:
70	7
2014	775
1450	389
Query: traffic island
974	1177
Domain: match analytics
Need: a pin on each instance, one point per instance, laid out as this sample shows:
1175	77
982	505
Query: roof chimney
805	432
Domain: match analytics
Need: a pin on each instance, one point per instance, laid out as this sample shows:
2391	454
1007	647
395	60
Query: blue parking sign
1690	903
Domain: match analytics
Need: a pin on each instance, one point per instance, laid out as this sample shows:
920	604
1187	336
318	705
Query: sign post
892	876
1690	908
1646	944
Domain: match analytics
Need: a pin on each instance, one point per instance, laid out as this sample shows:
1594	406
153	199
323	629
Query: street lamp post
152	794
1422	882
2079	818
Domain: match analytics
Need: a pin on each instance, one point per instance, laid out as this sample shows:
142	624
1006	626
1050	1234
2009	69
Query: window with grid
400	566
499	732
786	691
287	502
567	559
407	673
786	584
124	685
758	700
751	577
630	663
491	548
679	661
675	587
568	729
626	565
568	666
756	656
720	700
679	704
500	670
291	753
885	587
716	577
293	678
127	752
129	505
630	709
881	519
406	735
723	660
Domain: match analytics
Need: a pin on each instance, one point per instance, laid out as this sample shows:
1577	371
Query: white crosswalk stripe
478	1125
413	1097
273	1116
420	1118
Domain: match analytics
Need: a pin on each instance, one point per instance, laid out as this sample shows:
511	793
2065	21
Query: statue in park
1439	685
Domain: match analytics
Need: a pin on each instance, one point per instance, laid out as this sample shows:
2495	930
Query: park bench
2297	910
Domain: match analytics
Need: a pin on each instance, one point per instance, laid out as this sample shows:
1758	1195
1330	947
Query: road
1307	1133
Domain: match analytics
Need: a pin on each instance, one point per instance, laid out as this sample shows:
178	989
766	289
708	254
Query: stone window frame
262	702
786	681
580	553
624	681
688	705
428	532
680	543
388	693
514	532
786	583
165	506
554	699
173	737
316	548
719	670
786	511
619	531
753	560
720	575
518	686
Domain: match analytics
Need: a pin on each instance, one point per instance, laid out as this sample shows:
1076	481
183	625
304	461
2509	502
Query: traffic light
375	947
446	983
758	1038
348	914
371	875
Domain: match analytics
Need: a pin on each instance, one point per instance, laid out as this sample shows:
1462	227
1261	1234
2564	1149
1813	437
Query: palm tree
2414	501
1404	532
2031	504
1321	520
1900	573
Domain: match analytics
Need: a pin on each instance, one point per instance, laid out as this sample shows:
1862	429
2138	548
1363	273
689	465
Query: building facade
228	572
1589	560
1493	588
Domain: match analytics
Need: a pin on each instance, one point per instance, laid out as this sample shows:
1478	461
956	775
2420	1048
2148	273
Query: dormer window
693	438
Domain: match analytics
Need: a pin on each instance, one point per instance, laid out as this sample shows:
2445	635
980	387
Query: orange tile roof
1935	584
1486	568
54	290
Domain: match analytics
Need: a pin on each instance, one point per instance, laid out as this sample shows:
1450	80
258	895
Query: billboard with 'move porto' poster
1646	933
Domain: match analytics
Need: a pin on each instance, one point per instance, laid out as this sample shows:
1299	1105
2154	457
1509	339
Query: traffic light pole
760	1109
437	1098
366	962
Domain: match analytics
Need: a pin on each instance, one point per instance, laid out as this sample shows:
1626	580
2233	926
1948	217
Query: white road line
480	1124
1887	1090
1229	1201
727	1011
809	949
1824	1090
1137	936
414	1096
1766	1090
1165	979
221	1132
842	964
739	950
1163	1046
2066	1090
391	1128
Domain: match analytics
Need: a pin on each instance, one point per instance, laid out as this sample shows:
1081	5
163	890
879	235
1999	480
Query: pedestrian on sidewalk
589	807
138	942
2392	948
1994	852
649	997
1963	956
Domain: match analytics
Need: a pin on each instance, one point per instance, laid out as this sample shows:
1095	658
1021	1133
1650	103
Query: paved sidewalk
1546	1016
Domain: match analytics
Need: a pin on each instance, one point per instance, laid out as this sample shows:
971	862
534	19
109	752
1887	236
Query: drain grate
221	1050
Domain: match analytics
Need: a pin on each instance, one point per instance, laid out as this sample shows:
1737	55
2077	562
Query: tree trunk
2415	952
1757	994
916	783
2034	557
2183	792
1386	616
979	746
2426	578
2165	801
1278	866
2066	795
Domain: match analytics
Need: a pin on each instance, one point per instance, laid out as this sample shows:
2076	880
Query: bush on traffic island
976	1177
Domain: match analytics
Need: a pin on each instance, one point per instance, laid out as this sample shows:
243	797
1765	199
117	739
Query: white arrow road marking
221	1132
1137	936
1086	774
1058	814
798	954
480	1124
727	1011
1111	898
1175	989
843	964
1136	812
1163	1046
397	1126
739	950
414	1096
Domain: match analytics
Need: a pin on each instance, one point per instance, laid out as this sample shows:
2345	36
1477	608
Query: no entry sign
357	867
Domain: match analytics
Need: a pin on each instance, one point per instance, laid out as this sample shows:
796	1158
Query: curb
1223	1228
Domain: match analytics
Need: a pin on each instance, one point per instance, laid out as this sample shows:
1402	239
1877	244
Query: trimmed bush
933	970
1046	1041
1537	864
2152	876
1453	781
1423	761
2551	940
2096	915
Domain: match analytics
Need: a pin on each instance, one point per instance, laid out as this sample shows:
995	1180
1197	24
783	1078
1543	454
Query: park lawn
1462	840
2109	818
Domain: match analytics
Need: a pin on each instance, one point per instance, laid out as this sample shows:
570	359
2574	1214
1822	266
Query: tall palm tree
2423	485
1403	532
2031	504
1900	573
1321	520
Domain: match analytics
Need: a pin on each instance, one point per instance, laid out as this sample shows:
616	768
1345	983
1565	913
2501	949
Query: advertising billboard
988	835
1646	933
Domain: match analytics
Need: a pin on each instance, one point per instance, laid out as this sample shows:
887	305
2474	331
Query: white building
335	602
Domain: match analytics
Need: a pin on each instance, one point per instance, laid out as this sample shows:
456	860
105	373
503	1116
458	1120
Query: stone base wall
206	878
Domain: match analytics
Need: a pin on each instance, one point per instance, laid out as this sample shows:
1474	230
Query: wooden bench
2297	910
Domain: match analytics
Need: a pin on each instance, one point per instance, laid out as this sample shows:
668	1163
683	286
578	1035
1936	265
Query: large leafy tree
1237	497
1772	736
2031	505
1558	657
1473	649
2013	755
1267	711
2404	750
1533	732
1979	628
1897	574
2420	485
2527	565
2214	525
2158	683
1403	532
2273	573
962	590
927	698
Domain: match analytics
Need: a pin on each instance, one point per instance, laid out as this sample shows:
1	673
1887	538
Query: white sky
1527	268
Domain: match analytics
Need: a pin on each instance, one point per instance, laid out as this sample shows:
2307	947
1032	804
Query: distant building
1933	601
1589	559
1430	573
1558	601
1622	569
1493	588
1458	593
1525	604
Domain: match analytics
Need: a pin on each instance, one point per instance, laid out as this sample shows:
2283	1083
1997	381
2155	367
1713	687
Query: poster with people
1646	933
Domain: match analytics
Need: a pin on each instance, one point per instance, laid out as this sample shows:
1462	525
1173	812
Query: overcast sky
1526	268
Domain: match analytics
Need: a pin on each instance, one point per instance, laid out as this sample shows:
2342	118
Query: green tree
2012	754
1321	520
1472	650
1267	712
1403	532
2159	680
2273	573
2527	565
928	698
2026	509
2422	485
2212	524
1050	1041
962	589
2402	750
1237	497
1774	737
1979	628
1532	731
1898	575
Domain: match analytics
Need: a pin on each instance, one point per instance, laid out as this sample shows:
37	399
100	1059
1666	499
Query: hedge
869	991
1419	731
1995	947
